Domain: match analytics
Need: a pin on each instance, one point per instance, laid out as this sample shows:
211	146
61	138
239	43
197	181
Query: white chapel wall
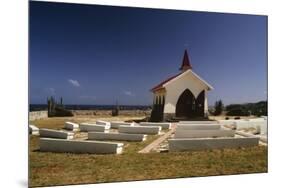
176	87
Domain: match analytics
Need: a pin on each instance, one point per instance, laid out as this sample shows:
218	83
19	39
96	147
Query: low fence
37	115
109	112
44	114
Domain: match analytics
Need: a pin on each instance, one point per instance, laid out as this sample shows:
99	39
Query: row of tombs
187	135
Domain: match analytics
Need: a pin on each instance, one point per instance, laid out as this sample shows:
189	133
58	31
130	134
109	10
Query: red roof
185	66
185	62
159	86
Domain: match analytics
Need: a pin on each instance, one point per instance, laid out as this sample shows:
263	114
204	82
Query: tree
115	111
218	107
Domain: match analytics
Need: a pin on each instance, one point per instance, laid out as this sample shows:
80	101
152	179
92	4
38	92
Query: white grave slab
251	124
203	133
139	129
78	146
193	144
245	134
263	128
116	124
198	126
198	122
32	129
163	125
87	127
100	122
230	122
116	136
256	119
49	133
71	126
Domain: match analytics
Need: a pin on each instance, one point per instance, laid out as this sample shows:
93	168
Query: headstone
198	126
139	129
198	122
194	144
49	133
100	122
163	125
116	136
251	124
32	129
71	126
80	146
203	133
116	124
87	127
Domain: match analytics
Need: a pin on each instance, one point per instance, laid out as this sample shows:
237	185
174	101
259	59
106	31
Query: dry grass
58	169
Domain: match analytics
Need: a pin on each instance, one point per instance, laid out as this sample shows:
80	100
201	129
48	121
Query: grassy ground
58	169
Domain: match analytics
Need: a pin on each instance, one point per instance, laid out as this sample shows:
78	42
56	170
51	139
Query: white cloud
74	82
129	93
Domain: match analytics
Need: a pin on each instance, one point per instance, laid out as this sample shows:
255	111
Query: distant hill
258	109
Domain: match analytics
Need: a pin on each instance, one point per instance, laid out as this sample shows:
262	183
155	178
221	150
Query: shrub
60	112
157	113
237	112
218	107
115	112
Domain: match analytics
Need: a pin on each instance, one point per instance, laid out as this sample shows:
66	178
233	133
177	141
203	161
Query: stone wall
37	115
108	112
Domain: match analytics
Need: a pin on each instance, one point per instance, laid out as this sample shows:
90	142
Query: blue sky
91	54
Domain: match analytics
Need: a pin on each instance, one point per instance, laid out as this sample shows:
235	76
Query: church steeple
185	62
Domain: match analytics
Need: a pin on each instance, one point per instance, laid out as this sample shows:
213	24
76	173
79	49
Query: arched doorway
186	105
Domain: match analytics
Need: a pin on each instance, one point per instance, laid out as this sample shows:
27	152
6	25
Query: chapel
182	96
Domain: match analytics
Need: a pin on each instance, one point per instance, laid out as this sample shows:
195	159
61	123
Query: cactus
56	109
115	111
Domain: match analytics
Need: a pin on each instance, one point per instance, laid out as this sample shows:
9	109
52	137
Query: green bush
60	112
157	113
218	107
238	112
258	109
115	112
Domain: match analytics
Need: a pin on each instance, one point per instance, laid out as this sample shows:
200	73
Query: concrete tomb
116	124
87	127
228	122
261	137
203	133
263	129
100	122
257	119
198	126
139	129
116	136
188	144
251	124
78	146
32	129
71	126
198	122
49	133
163	125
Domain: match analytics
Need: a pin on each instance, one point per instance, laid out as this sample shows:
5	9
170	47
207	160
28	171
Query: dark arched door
199	104
186	105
